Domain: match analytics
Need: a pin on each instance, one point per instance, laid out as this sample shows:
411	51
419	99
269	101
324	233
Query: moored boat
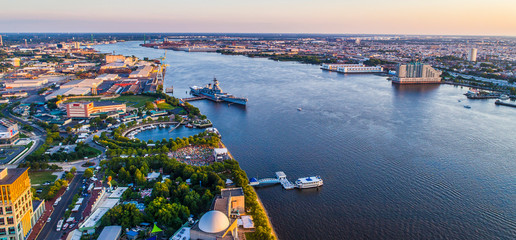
309	182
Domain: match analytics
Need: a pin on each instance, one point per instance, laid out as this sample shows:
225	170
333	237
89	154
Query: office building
15	203
416	73
8	131
93	109
472	55
1	41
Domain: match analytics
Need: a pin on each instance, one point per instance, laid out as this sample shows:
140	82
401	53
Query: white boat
504	97
309	182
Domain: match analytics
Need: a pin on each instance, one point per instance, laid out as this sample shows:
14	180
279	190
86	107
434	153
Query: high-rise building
1	41
415	73
15	203
472	55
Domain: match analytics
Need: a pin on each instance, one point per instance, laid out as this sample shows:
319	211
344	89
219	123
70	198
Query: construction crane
161	70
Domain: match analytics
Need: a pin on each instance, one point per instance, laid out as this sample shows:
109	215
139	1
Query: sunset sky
450	17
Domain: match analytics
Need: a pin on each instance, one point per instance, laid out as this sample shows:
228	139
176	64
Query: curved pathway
148	124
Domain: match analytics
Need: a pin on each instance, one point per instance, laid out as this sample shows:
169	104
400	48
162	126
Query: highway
49	231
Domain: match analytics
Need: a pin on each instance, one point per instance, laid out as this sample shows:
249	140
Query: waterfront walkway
124	133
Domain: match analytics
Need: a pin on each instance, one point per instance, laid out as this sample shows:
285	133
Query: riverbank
246	188
266	214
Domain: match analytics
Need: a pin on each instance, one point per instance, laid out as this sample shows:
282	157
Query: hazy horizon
396	17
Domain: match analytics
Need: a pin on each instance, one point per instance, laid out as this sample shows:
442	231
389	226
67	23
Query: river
398	162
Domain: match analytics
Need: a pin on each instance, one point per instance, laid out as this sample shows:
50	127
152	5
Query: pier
190	99
281	178
498	102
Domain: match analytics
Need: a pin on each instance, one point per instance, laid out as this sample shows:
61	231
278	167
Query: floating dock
281	178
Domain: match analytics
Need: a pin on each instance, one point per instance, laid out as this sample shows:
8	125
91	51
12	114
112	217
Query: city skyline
439	17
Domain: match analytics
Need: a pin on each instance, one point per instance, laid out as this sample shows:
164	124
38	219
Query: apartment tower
416	73
15	203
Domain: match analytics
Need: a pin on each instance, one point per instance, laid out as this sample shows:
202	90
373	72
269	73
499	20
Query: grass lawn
41	177
165	106
95	152
134	100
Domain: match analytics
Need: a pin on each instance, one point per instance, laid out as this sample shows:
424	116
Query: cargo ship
214	92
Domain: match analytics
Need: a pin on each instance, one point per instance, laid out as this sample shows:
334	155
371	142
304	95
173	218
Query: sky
433	17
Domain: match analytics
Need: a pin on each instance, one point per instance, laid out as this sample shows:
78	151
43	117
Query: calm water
165	133
404	162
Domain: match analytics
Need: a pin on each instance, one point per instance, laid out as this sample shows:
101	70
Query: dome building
223	221
213	222
214	225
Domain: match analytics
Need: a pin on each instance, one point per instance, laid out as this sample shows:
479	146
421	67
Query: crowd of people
194	155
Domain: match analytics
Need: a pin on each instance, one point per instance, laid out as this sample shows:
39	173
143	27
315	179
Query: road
49	231
39	133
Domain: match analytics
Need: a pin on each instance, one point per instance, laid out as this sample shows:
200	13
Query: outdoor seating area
194	155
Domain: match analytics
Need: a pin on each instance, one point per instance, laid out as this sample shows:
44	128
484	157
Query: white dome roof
213	222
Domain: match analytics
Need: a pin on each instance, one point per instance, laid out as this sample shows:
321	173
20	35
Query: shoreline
257	197
266	214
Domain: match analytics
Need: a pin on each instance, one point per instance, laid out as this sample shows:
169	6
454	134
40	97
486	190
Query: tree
140	179
160	190
126	215
149	105
178	118
69	176
73	170
88	173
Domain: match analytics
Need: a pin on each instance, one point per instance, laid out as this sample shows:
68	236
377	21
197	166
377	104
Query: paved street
49	231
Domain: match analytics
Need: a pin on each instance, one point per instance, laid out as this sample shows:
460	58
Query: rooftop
110	233
106	103
8	176
231	192
35	204
118	192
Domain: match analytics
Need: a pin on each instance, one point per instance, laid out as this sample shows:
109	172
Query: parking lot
8	153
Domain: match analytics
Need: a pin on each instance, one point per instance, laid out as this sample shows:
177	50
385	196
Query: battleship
214	92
